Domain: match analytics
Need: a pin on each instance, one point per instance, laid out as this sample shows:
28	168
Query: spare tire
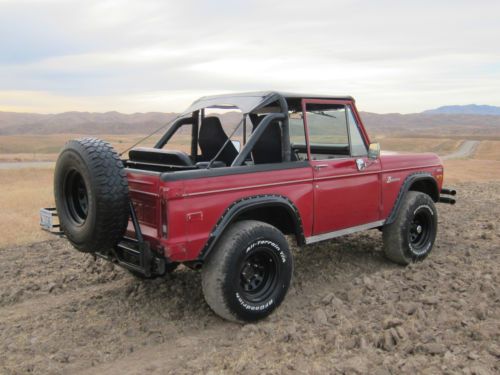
91	194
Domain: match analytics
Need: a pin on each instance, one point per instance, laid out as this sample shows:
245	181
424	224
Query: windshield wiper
325	114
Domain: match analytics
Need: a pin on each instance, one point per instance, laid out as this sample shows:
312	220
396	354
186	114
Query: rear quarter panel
194	206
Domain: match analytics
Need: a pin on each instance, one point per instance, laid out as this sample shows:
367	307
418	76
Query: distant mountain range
438	122
469	109
82	122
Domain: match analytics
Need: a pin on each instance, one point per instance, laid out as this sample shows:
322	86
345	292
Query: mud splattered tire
410	238
91	194
248	275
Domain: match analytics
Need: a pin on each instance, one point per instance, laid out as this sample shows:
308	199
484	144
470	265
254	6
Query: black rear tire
248	275
410	238
91	194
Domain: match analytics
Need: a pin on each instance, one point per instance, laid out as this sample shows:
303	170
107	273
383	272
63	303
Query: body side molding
342	232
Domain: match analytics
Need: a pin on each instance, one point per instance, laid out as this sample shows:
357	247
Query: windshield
244	102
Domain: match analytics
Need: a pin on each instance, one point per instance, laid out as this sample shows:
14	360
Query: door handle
319	166
361	164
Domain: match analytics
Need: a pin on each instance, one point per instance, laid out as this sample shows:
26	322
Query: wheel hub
259	274
76	197
252	276
420	231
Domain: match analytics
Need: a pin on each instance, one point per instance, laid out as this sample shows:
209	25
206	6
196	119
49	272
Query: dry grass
30	147
471	170
47	147
22	193
27	157
51	144
440	146
488	150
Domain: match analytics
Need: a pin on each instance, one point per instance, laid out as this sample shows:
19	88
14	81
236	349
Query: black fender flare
240	206
405	187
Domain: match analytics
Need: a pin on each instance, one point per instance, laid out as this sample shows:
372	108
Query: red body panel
344	197
396	167
339	188
330	198
204	200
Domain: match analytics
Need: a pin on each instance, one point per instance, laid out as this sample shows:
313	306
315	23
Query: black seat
268	147
211	139
159	156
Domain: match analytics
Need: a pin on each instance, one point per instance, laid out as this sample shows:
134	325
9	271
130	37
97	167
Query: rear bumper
134	254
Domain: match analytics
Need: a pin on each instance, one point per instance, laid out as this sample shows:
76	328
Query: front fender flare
405	187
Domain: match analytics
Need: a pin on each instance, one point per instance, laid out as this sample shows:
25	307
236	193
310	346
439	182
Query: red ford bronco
292	164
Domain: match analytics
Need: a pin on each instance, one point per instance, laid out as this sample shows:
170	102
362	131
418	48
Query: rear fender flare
406	186
240	206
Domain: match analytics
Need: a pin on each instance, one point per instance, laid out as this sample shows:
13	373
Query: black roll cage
197	117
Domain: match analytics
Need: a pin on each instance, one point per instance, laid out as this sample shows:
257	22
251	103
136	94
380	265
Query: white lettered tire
249	272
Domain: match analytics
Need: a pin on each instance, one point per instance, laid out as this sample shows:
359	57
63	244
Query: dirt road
26	164
349	310
466	149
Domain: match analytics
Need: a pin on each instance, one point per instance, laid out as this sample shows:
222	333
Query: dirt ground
349	310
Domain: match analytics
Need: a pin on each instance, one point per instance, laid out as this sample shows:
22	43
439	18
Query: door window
328	131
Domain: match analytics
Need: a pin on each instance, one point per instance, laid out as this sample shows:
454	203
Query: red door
346	183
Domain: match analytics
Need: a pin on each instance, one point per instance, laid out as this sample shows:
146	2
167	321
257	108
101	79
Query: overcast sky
160	55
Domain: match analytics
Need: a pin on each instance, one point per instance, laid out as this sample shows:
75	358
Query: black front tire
248	275
91	194
410	238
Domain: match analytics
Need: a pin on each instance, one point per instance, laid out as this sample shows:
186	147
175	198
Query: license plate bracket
49	221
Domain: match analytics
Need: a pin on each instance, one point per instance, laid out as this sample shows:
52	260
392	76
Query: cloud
155	55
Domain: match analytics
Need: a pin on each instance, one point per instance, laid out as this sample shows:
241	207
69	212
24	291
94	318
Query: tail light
163	223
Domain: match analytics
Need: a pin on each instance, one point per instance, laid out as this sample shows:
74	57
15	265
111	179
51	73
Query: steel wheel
76	197
247	276
259	274
419	231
